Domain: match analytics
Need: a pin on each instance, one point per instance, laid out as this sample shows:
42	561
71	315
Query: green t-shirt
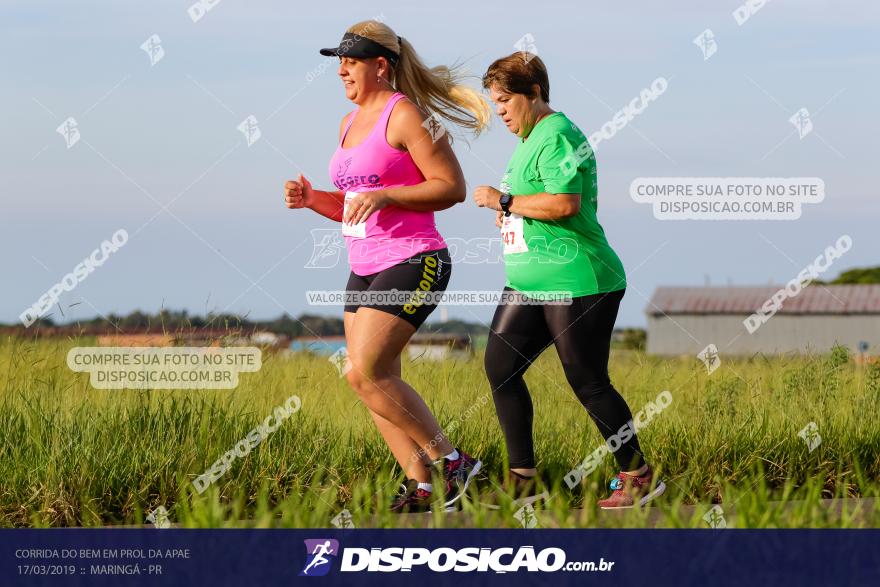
569	255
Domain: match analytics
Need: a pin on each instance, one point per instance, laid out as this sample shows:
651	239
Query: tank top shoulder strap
351	116
382	123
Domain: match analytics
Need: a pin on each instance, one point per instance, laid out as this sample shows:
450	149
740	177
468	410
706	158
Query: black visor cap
360	47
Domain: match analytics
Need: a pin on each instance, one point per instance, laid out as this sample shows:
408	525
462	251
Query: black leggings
582	335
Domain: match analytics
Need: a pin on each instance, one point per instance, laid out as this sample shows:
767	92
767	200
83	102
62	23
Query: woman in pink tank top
393	233
393	168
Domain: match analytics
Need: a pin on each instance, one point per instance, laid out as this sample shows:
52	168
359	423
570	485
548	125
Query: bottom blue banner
427	557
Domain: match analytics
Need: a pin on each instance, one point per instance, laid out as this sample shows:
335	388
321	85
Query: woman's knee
355	379
586	381
490	363
365	378
500	365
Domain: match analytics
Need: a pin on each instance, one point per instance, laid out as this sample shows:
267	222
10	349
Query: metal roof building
684	320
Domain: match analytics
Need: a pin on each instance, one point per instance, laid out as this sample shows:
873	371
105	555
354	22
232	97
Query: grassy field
74	456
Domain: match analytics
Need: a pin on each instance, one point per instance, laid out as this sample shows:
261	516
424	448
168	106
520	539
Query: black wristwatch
505	202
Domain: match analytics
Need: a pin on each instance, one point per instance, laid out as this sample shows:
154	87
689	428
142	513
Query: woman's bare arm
300	194
542	206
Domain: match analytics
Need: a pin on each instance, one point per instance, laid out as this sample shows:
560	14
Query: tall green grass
71	455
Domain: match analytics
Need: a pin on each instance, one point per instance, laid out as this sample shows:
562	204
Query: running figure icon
320	550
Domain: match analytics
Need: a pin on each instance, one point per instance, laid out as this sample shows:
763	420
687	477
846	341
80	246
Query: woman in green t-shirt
554	248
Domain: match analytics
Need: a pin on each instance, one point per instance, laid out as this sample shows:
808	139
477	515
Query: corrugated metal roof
813	299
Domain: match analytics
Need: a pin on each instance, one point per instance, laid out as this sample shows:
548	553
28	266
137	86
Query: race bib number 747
512	234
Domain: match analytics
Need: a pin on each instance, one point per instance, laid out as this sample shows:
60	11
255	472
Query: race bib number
353	230
512	234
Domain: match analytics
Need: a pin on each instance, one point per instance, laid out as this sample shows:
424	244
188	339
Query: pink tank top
392	234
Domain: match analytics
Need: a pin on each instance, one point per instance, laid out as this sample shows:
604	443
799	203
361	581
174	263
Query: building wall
668	335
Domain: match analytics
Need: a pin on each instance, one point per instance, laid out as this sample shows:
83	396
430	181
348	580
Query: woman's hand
298	193
363	205
487	197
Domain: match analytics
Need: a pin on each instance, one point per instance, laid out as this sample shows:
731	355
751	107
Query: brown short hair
517	73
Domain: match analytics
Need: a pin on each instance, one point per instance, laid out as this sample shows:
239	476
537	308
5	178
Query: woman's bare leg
413	460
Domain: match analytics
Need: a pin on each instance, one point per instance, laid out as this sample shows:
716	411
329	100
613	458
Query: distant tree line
455	327
182	321
864	275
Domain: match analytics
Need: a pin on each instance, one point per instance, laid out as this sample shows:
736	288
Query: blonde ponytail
437	89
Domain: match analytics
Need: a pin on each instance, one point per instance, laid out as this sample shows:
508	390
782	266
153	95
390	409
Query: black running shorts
423	273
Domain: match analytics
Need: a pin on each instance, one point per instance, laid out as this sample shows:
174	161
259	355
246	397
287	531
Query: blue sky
165	135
